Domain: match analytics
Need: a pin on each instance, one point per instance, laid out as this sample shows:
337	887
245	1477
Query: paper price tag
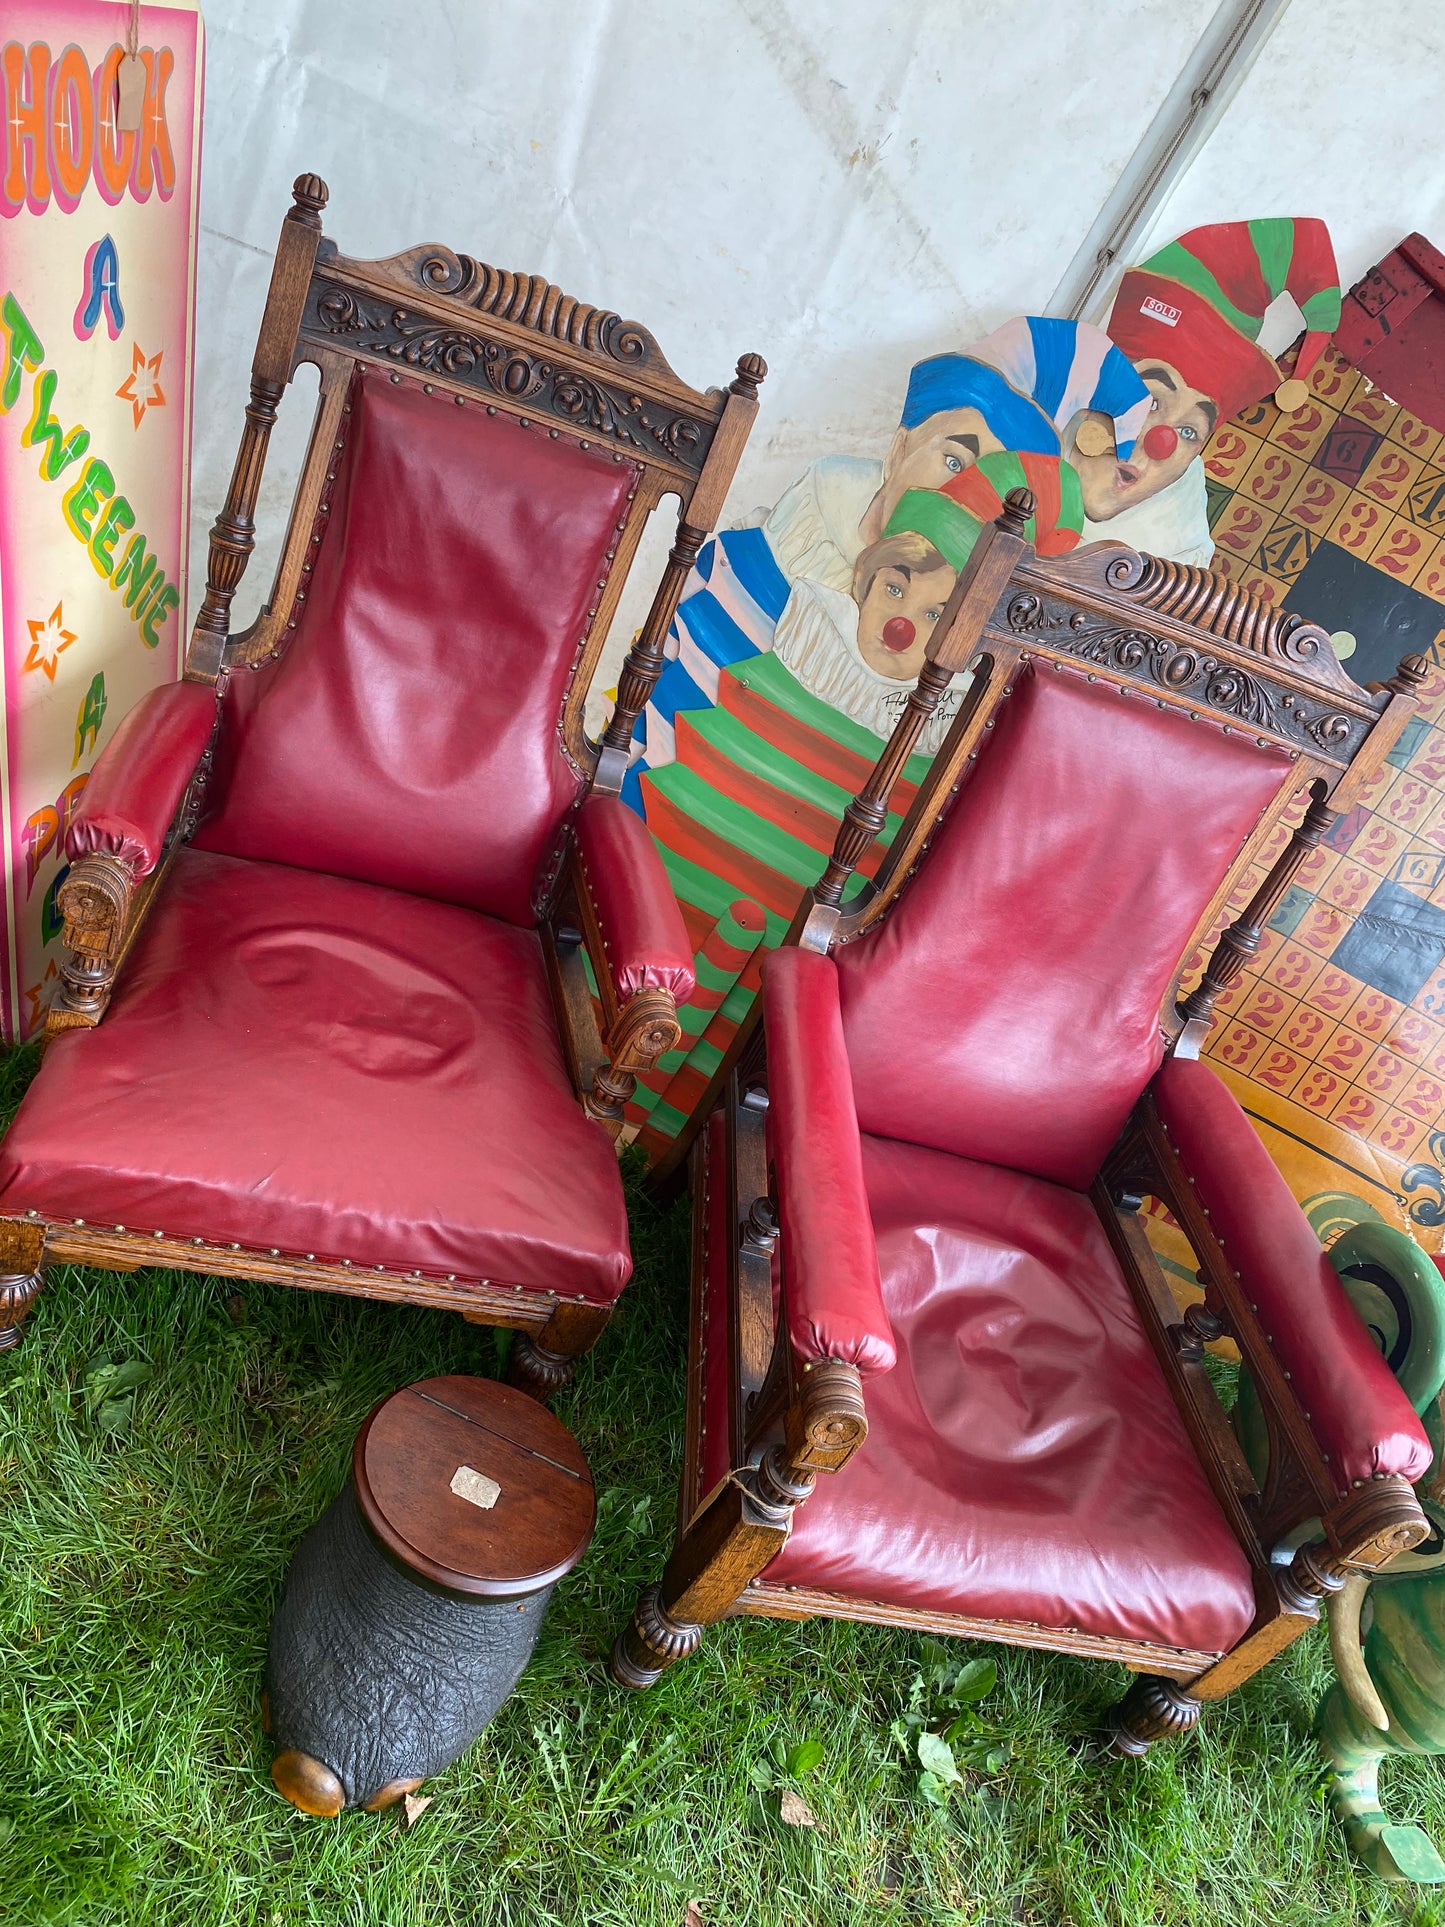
130	84
475	1487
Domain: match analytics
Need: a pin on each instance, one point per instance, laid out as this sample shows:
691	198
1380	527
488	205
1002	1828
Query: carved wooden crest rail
1249	677
555	383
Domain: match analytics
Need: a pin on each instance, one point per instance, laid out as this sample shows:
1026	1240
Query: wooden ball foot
308	1784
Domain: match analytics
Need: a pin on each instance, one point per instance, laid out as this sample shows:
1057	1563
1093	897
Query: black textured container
414	1602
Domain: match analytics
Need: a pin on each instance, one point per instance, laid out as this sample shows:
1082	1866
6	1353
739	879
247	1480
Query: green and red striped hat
1198	304
951	518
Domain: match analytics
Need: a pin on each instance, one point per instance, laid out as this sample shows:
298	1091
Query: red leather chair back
409	732
1007	1008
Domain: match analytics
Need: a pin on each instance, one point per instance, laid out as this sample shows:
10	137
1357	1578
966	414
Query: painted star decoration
142	386
47	639
38	996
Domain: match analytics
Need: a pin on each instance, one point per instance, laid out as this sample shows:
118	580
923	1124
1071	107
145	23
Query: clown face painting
1189	319
900	587
1016	390
1181	420
928	455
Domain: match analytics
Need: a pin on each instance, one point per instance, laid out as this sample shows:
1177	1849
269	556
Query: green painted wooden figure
1387	1629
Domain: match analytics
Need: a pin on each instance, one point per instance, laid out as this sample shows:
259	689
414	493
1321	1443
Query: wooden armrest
1306	1466
138	807
635	1031
644	1028
104	907
1369	1526
1361	1419
825	1422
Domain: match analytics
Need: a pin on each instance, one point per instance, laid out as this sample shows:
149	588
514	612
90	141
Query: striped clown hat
1029	379
1199	303
951	518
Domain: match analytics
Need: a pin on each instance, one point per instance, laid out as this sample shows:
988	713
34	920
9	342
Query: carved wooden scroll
551	383
1222	608
529	301
1263	697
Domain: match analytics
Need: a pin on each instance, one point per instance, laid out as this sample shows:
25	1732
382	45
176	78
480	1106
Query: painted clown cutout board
97	271
803	630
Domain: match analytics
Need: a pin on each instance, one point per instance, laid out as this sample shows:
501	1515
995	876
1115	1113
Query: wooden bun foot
651	1642
307	1784
1152	1709
18	1292
539	1373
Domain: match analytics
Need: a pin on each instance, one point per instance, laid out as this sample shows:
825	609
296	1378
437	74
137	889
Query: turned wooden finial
310	193
1410	676
1018	510
752	370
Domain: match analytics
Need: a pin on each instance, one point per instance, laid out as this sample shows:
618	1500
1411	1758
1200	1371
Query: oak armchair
936	1376
325	1016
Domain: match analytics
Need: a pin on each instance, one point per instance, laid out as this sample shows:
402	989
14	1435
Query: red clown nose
898	634
1160	442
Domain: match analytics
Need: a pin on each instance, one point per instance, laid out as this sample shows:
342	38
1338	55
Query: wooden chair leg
742	1528
1152	1709
650	1642
533	1369
18	1292
542	1364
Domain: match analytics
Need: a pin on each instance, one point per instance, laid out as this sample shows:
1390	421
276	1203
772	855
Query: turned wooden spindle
969	606
1202	1326
233	533
1242	939
867	812
645	659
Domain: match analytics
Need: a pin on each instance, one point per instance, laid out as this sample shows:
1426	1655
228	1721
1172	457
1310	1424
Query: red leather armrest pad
1357	1410
141	775
831	1287
646	938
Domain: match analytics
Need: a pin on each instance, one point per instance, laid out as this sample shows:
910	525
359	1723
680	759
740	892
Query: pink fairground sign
97	280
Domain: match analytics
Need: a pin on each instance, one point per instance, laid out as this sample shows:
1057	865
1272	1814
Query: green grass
140	1567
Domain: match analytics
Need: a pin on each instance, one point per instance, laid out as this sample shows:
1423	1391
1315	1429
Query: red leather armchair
325	1015
937	1378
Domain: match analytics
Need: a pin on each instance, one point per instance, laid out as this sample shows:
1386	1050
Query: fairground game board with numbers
1334	1039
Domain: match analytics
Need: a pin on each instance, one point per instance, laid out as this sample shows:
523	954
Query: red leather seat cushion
1024	1459
1008	1008
324	1066
409	733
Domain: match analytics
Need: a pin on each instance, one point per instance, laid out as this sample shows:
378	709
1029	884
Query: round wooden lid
474	1486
